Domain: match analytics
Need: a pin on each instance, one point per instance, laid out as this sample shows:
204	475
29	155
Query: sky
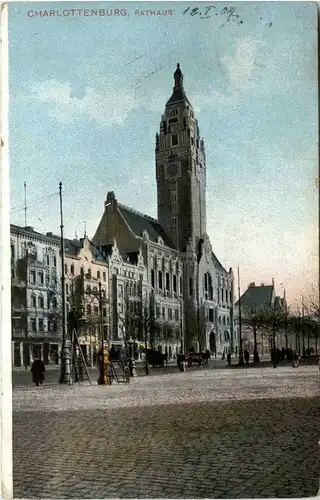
86	98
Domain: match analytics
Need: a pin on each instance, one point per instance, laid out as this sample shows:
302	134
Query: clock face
172	170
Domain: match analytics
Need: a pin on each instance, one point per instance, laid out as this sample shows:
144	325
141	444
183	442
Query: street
204	433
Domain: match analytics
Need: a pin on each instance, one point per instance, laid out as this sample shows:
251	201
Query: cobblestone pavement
200	434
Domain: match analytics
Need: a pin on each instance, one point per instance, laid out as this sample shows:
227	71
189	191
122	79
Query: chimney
262	284
49	234
252	285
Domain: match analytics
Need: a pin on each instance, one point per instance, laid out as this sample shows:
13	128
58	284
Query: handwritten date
229	13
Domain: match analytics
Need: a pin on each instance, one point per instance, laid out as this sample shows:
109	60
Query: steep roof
218	264
139	222
257	296
178	94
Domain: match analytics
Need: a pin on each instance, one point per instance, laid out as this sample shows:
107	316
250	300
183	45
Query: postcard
159	249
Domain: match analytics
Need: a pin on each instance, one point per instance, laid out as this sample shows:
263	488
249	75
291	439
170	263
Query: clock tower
181	171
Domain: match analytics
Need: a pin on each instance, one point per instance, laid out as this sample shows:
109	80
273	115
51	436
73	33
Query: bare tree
255	319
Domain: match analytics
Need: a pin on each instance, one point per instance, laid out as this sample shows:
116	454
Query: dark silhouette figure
181	361
283	354
37	370
246	356
229	358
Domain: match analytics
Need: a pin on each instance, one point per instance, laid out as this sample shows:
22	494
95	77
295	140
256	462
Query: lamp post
65	354
146	335
256	358
132	363
241	362
103	375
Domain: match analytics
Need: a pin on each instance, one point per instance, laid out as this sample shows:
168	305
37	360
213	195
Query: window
222	299
160	280
104	312
185	122
41	277
219	320
180	285
224	320
89	273
41	325
170	313
167	282
152	278
13	274
48	260
33	301
54	302
40	302
174	283
158	311
72	269
82	272
67	289
66	269
190	287
98	275
211	315
54	325
230	296
174	196
33	277
163	312
55	261
176	314
173	112
208	290
174	221
12	252
218	295
34	325
174	140
228	321
104	276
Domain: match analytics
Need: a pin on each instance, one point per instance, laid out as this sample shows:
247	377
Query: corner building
203	286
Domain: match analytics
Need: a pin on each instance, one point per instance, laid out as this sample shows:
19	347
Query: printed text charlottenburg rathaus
96	13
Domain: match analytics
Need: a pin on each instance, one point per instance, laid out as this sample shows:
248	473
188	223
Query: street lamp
132	363
241	361
256	358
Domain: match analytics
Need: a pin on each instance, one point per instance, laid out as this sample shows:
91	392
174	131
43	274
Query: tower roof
178	94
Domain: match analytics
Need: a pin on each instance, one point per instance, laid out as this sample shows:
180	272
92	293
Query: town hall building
189	288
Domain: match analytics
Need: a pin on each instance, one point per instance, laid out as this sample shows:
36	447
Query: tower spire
178	78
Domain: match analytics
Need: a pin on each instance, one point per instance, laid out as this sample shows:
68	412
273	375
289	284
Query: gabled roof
139	222
217	264
256	296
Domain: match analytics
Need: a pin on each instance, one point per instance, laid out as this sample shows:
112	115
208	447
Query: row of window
82	271
170	313
225	296
37	325
51	302
225	320
33	252
164	281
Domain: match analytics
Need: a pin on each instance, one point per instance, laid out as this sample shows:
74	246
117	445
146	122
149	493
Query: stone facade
36	314
183	274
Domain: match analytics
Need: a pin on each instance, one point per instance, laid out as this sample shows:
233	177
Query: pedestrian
246	356
229	358
181	361
295	361
37	370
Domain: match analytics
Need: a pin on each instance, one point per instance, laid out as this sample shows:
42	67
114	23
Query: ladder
78	369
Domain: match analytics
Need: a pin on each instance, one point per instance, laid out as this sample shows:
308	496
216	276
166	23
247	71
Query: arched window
222	298
33	301
72	269
230	296
208	290
224	320
219	320
40	302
